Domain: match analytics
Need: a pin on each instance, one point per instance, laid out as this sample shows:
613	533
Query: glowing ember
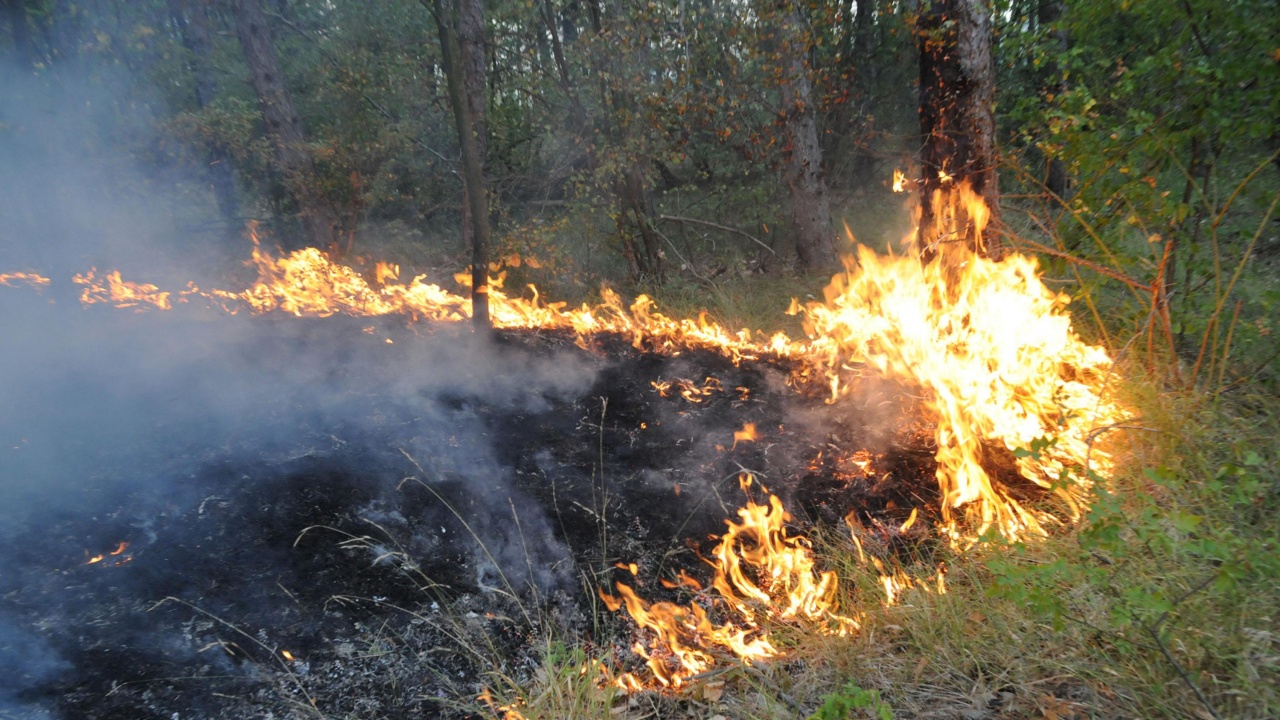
106	559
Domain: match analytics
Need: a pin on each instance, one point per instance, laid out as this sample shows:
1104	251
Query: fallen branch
718	226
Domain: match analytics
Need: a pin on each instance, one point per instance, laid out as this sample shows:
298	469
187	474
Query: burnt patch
407	515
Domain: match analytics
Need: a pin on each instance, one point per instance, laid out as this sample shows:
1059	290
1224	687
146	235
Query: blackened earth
396	539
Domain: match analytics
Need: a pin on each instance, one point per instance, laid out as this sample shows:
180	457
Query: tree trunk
957	115
470	131
283	125
471	45
802	157
634	210
191	17
24	55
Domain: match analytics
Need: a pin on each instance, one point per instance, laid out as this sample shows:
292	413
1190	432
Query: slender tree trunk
634	211
191	17
469	134
957	115
802	157
471	45
24	55
283	125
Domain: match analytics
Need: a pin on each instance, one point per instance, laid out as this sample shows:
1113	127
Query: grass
1163	603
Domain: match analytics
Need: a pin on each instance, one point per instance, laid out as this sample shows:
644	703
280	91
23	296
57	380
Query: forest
677	169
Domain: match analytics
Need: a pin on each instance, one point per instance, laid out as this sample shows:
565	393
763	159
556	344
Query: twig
1154	632
718	226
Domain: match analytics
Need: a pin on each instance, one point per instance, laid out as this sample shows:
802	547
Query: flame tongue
786	586
993	349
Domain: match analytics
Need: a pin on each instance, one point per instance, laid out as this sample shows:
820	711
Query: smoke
100	403
25	662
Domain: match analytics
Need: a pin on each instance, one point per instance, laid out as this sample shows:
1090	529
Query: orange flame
23	278
759	568
988	344
119	292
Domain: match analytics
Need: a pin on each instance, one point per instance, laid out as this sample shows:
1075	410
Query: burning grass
951	418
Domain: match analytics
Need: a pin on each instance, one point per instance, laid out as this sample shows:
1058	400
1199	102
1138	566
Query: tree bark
449	18
471	45
191	17
802	156
283	125
957	113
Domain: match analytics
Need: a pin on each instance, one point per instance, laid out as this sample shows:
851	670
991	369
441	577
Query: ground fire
984	343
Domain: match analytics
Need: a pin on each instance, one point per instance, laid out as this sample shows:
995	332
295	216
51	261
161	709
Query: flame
994	351
23	278
899	181
287	655
746	434
759	569
988	345
121	293
117	553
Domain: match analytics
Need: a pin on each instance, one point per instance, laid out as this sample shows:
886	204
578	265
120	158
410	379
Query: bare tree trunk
470	131
471	43
24	55
191	17
634	212
957	115
802	157
283	125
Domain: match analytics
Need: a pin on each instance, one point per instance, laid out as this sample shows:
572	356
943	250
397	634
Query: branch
726	228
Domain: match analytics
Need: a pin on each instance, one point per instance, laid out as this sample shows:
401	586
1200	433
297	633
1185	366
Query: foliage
843	702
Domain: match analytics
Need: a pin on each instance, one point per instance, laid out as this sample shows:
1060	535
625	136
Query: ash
306	517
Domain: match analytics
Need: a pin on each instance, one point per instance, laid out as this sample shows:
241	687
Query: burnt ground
399	518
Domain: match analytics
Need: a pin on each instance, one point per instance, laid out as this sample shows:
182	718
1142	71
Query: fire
117	553
759	570
119	292
899	181
746	434
999	364
23	278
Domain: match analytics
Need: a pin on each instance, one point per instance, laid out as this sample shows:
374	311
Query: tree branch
726	228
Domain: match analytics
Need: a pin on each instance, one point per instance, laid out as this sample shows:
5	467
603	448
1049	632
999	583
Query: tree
802	155
957	110
191	17
451	16
23	52
282	123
